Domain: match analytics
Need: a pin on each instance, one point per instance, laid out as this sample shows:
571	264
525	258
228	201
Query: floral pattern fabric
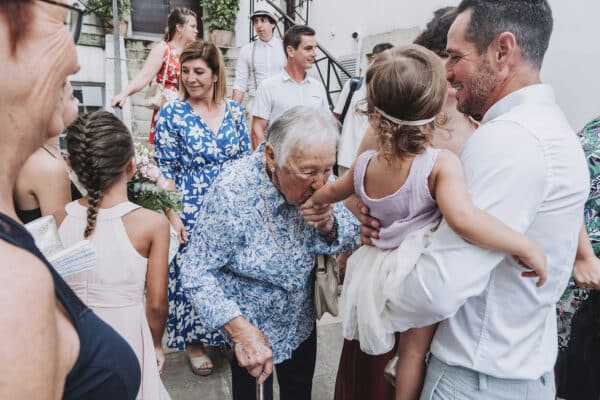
574	295
189	153
252	255
171	80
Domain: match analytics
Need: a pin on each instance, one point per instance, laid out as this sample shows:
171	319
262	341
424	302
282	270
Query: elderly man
258	60
524	165
292	87
354	124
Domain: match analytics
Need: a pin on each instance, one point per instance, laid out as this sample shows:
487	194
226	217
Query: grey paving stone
182	384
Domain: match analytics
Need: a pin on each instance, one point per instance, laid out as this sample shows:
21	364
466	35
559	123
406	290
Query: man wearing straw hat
259	59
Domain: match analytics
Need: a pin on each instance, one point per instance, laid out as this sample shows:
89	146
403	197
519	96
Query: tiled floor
182	384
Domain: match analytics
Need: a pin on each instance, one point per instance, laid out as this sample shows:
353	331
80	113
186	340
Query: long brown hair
178	16
213	58
407	83
100	147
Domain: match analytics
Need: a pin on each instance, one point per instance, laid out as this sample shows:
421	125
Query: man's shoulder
246	49
272	81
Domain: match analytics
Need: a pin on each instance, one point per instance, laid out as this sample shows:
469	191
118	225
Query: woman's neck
115	195
52	142
11	162
179	42
203	103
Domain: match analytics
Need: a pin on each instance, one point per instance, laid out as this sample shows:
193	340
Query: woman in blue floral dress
195	137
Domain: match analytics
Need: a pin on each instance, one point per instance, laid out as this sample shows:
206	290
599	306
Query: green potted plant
103	9
220	16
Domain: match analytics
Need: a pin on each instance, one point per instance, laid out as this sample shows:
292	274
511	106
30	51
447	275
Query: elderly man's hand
251	347
369	226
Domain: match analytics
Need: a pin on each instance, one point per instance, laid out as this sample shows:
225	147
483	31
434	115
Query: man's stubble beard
478	90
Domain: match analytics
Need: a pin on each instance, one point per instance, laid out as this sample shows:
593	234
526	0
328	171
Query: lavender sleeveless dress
408	217
408	209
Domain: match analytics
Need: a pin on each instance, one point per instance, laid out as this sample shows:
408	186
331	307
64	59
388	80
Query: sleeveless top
106	367
27	216
408	209
115	289
170	78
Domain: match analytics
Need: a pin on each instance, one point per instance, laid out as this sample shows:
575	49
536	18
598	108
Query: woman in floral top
586	273
163	61
195	136
250	267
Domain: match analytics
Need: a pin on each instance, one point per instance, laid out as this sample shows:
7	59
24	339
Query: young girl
406	185
131	243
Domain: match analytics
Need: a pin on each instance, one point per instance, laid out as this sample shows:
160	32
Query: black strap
355	84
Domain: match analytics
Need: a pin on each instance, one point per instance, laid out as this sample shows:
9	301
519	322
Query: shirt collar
539	93
287	77
270	43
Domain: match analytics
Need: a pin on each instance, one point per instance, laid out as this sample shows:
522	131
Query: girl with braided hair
408	186
131	243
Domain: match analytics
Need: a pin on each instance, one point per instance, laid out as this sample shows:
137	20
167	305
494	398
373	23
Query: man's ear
289	51
505	47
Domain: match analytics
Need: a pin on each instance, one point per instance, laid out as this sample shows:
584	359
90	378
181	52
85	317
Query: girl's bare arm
474	224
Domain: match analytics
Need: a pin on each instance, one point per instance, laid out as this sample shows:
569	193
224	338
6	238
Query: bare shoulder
161	45
22	273
151	221
446	161
446	164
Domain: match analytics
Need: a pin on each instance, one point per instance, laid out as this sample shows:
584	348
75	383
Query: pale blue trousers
445	382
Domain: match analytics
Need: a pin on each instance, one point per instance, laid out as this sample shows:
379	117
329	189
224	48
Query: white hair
301	126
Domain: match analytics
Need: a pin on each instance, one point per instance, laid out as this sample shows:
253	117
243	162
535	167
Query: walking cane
260	391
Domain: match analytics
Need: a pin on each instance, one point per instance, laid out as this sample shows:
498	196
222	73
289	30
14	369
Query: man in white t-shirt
258	60
292	87
354	124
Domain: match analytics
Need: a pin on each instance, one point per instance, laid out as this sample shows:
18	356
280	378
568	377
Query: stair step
137	50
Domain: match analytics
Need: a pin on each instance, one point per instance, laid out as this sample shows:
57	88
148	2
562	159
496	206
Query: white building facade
571	64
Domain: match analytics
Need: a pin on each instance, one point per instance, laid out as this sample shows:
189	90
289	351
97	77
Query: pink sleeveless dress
114	289
373	273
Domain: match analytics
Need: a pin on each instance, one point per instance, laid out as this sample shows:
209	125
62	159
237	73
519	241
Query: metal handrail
333	67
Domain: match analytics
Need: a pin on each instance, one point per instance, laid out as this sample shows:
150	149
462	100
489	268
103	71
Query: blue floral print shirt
233	266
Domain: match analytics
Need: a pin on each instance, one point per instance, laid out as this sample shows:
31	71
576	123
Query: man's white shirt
355	124
269	59
525	166
280	93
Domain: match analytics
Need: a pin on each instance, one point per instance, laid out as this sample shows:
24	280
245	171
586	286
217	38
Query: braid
100	147
94	198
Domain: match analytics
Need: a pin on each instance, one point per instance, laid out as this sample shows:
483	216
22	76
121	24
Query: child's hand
308	204
535	259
